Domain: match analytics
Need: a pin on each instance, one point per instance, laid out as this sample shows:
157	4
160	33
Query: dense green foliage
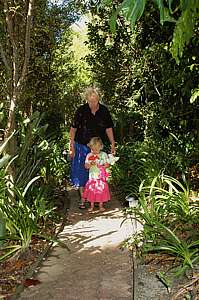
183	13
150	97
148	93
153	101
29	179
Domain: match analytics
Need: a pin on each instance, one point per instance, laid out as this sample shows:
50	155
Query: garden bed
13	272
16	273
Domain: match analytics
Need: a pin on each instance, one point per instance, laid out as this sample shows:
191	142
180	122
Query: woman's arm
72	141
109	132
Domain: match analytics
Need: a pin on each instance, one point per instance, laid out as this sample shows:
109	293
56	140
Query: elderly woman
90	120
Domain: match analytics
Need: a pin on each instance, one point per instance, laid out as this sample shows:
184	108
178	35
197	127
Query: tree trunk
18	76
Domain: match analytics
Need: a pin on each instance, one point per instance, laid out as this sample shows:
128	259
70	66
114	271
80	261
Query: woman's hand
113	151
72	150
106	165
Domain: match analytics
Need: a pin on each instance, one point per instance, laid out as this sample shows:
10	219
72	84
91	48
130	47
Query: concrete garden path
96	268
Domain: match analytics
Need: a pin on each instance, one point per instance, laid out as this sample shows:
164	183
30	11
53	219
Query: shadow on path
96	267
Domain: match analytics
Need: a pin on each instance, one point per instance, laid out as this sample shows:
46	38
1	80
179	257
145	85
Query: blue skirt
79	175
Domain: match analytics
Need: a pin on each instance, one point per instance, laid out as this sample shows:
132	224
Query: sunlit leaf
170	3
4	160
194	96
29	184
133	10
3	146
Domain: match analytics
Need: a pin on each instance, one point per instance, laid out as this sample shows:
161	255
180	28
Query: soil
13	271
151	286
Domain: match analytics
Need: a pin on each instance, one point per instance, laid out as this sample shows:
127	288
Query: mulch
13	272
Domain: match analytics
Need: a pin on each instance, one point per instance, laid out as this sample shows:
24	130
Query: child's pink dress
96	188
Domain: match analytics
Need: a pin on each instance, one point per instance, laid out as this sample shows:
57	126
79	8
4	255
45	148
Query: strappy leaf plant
22	222
186	251
167	214
171	199
3	162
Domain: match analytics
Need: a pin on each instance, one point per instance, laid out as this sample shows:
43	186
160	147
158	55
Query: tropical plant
33	149
171	199
168	217
183	14
3	162
185	250
23	220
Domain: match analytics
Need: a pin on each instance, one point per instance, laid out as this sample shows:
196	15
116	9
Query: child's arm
89	163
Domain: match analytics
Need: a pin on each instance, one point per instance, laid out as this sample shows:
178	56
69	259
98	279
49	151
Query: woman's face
93	101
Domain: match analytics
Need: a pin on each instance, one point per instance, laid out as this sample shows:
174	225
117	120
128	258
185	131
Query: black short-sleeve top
89	125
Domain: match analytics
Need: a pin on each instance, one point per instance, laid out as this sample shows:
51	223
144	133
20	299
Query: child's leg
82	203
101	206
91	207
81	193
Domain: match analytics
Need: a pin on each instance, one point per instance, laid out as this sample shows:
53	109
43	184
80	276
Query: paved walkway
96	268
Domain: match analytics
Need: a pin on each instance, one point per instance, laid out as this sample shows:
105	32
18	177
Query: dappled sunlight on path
96	267
99	232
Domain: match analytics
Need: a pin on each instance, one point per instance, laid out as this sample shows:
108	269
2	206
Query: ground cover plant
169	216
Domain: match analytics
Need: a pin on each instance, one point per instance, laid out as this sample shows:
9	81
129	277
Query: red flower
93	157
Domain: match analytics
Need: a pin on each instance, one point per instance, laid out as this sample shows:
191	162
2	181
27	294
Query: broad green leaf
112	21
184	29
184	4
170	3
133	10
161	9
167	17
164	12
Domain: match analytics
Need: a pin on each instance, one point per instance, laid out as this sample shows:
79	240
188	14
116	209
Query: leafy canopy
183	13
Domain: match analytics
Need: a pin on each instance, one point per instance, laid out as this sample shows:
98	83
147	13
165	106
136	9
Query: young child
96	188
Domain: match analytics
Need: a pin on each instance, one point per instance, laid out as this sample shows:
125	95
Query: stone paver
96	267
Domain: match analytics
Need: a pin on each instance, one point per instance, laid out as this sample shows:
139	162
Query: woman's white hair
90	91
